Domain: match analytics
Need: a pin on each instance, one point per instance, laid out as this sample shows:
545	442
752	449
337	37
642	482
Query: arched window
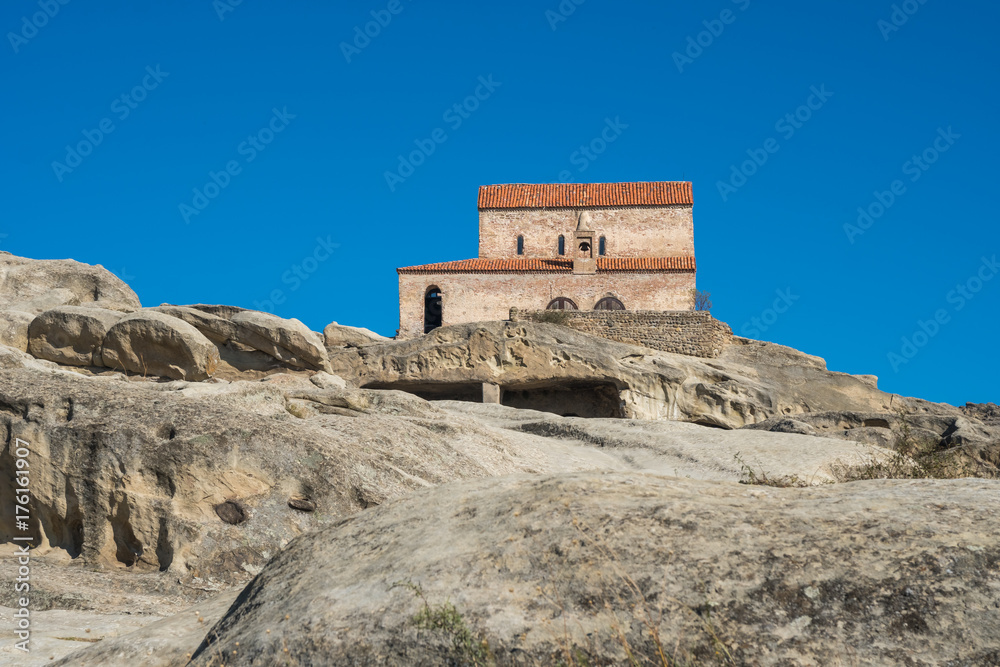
602	246
433	311
609	303
561	303
520	245
562	244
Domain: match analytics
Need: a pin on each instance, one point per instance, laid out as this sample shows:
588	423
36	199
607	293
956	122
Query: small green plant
561	317
910	460
446	618
762	478
296	410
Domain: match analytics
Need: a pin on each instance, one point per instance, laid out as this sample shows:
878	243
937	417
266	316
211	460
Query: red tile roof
579	195
542	265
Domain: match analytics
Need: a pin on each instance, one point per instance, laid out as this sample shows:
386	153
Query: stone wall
695	333
481	297
635	231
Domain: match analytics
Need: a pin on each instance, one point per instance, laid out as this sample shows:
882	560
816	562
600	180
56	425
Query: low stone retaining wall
690	332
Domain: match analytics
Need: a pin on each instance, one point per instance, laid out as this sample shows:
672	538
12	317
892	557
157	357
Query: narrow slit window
562	244
520	245
602	246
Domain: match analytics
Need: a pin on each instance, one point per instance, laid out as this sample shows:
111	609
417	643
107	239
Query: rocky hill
384	515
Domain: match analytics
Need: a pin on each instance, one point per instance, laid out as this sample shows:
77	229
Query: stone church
593	246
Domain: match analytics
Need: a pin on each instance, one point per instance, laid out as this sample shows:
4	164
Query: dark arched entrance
609	303
433	314
561	303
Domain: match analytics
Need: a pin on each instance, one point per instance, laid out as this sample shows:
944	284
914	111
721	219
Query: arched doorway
609	303
433	312
561	303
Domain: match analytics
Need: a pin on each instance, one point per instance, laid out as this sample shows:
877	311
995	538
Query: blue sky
250	139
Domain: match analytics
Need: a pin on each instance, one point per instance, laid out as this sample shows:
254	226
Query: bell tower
583	242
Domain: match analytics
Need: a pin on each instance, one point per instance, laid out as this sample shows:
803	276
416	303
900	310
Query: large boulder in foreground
616	568
36	285
151	343
71	335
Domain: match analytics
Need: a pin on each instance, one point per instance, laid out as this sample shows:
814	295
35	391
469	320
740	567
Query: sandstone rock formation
36	285
624	569
71	335
133	473
628	524
289	341
749	382
337	335
14	326
151	343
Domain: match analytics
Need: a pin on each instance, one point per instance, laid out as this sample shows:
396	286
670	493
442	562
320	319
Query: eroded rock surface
195	478
152	343
596	567
36	285
71	335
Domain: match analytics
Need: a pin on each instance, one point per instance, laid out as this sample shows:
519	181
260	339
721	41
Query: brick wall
481	297
635	231
695	333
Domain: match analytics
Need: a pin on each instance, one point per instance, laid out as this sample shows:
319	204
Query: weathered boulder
217	329
626	569
152	343
71	335
289	341
41	284
245	348
338	335
14	326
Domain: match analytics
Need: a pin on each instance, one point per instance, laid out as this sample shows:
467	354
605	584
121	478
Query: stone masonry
694	333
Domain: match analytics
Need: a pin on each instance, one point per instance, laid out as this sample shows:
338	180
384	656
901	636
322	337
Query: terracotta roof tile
542	265
578	195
